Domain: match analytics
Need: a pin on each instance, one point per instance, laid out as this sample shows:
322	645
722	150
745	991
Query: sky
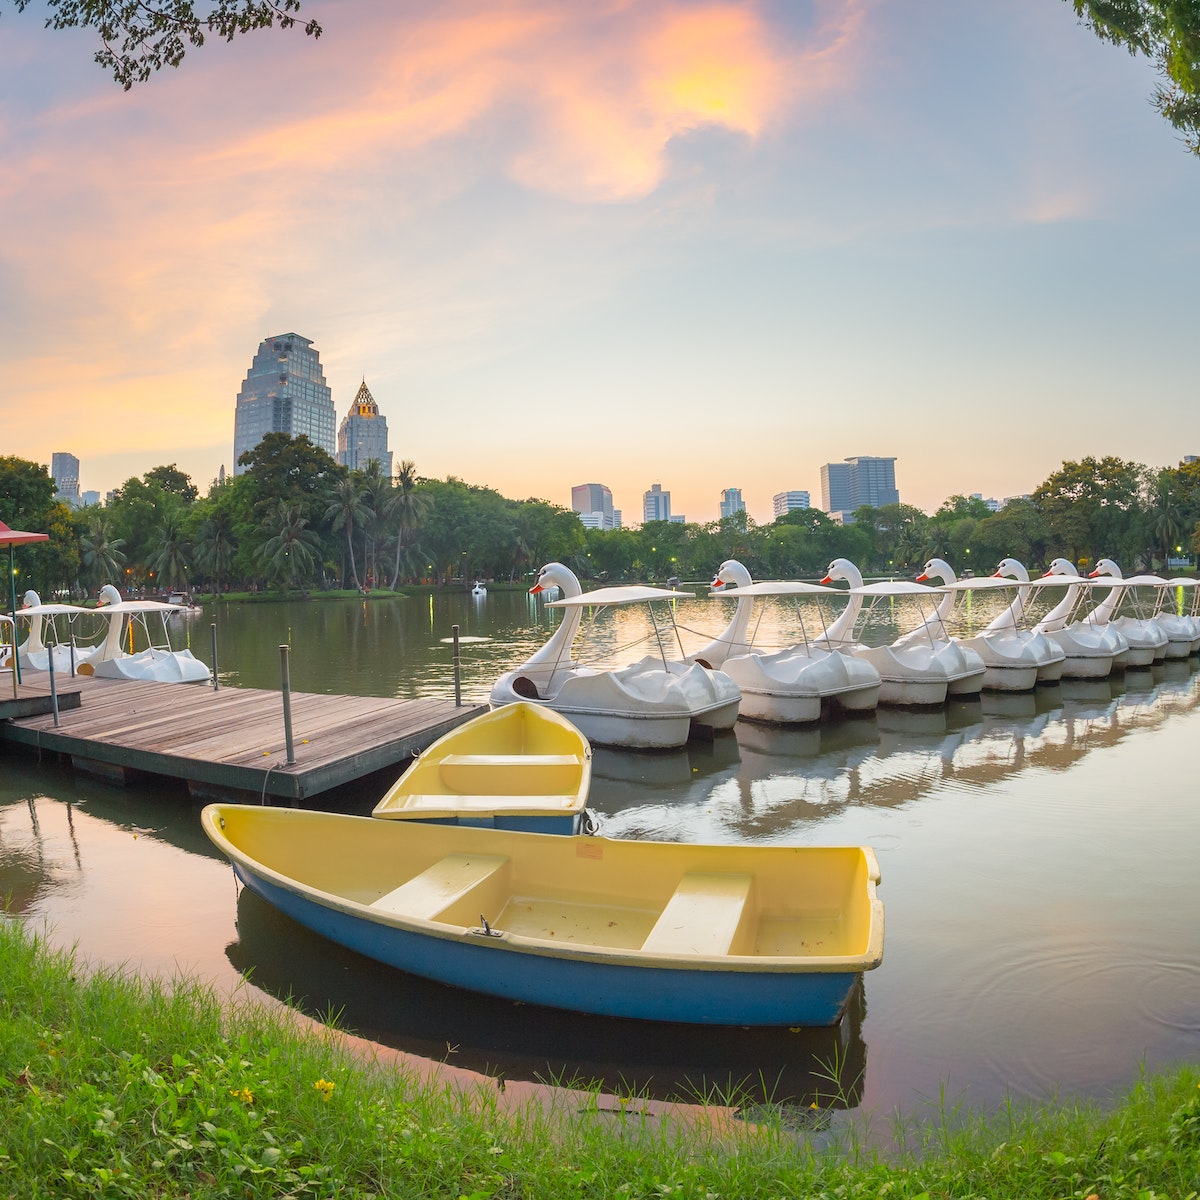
701	244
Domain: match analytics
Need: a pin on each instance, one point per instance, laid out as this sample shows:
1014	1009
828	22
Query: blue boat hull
689	995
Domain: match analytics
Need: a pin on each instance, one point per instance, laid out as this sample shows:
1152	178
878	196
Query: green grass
115	1087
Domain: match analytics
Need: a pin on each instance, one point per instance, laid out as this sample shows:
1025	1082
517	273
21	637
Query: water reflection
791	1068
767	783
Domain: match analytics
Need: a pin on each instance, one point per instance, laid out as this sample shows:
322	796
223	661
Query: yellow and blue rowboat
715	935
522	766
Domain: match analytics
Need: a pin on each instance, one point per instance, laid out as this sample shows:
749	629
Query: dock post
72	656
457	670
287	704
53	686
214	654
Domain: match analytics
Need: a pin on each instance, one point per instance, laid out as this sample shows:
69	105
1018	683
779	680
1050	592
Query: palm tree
408	508
215	547
291	553
377	491
170	560
101	555
1166	515
347	509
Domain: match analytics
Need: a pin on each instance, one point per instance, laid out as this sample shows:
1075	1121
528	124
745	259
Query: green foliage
1167	31
139	39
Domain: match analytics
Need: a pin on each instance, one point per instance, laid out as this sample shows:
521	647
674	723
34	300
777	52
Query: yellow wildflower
325	1088
243	1094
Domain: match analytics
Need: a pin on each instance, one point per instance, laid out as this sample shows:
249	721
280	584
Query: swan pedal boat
918	670
36	652
522	766
158	662
794	685
1144	631
1012	662
709	935
1091	651
657	703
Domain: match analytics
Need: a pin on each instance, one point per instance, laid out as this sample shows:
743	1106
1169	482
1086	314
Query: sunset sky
699	244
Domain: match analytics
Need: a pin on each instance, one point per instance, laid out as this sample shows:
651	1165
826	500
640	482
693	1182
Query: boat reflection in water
772	780
788	1070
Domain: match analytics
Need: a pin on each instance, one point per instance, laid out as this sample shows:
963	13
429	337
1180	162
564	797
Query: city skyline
683	241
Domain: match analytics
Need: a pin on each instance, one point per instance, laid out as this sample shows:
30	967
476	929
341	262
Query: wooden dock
230	741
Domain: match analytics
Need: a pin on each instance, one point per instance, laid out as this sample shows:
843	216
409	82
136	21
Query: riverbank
110	1086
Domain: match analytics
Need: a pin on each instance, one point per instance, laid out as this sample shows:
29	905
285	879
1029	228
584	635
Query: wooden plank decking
233	739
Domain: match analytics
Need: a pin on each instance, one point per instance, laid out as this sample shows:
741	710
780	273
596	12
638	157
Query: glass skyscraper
284	392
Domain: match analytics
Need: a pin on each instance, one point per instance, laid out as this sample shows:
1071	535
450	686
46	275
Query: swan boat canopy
158	661
790	686
919	669
656	703
1010	661
709	935
522	766
1092	651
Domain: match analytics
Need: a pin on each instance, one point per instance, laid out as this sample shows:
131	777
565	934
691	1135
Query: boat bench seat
704	916
511	774
440	803
449	879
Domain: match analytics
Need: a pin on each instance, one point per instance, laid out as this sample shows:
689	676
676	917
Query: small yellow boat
521	766
711	935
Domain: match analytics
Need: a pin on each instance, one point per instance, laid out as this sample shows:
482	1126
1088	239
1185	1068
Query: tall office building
731	502
862	480
363	435
284	392
593	503
656	504
64	469
784	502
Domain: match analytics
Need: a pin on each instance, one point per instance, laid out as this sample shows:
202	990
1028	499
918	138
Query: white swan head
109	595
1010	568
556	575
1106	566
30	600
731	573
1061	566
843	568
937	568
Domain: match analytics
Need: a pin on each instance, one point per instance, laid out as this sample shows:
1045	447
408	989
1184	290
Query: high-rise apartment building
862	480
593	503
64	470
784	502
731	502
656	504
363	435
284	392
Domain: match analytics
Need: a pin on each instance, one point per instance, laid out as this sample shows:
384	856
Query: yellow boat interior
520	758
762	907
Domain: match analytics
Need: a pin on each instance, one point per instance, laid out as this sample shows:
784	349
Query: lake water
1038	856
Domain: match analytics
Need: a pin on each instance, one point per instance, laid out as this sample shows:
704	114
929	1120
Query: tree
408	508
215	547
1166	516
140	38
101	558
172	479
290	553
345	511
1167	31
170	560
1094	507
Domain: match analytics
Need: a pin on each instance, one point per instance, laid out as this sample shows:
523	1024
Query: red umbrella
11	538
